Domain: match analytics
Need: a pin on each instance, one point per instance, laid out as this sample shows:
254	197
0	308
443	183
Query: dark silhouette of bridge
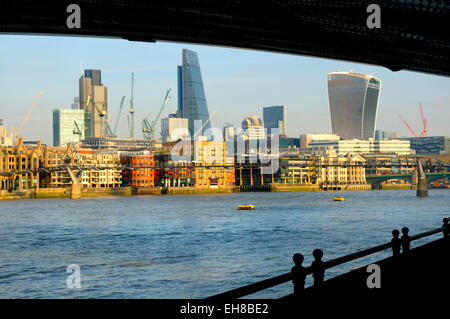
413	34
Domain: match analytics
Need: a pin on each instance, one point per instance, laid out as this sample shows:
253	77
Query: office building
368	146
5	138
274	117
430	144
174	129
67	126
76	104
94	75
253	127
353	99
383	135
394	146
191	93
93	91
229	131
305	139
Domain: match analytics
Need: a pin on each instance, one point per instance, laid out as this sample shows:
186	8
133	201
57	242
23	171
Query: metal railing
281	279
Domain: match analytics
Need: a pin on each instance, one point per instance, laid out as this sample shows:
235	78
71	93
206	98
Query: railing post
318	268
405	240
298	274
396	243
446	231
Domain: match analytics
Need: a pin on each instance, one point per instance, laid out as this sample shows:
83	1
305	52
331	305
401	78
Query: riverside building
368	146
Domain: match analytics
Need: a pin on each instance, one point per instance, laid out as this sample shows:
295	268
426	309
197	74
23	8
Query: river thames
194	246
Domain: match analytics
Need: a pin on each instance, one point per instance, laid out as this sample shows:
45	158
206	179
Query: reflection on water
193	246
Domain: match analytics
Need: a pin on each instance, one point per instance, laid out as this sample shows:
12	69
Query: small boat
339	199
246	207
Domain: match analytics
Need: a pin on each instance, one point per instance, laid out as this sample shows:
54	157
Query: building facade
353	99
383	135
274	117
305	139
213	169
368	146
141	172
67	126
174	129
18	165
93	99
5	138
430	144
253	127
191	93
342	170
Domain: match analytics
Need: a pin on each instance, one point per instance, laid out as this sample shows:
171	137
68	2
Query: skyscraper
67	126
97	110
275	117
191	93
94	75
353	99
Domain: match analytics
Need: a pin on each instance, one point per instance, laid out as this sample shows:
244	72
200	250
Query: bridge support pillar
75	192
422	187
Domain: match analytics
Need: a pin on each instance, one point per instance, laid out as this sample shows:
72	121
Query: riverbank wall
158	191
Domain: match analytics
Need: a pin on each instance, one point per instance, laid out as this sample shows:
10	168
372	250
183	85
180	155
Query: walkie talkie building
191	93
353	99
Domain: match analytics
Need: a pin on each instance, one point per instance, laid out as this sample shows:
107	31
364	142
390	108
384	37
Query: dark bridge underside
413	35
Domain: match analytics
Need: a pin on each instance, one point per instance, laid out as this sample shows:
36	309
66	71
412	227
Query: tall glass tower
275	117
191	93
353	99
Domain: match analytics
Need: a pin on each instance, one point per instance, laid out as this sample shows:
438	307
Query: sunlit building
253	126
67	126
191	93
174	129
353	99
274	117
93	91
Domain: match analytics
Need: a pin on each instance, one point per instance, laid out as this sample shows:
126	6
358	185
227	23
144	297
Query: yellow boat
339	199
246	207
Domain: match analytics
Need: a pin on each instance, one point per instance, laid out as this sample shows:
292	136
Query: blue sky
238	81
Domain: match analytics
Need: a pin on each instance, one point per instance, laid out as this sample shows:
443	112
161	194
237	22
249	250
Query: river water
194	246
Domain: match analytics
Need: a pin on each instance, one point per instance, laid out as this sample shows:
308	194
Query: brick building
141	168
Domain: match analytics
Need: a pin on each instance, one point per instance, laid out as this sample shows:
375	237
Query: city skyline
240	81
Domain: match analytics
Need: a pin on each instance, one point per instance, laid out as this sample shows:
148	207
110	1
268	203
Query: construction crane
118	116
424	123
102	114
28	115
87	118
131	111
76	130
149	129
407	125
206	122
